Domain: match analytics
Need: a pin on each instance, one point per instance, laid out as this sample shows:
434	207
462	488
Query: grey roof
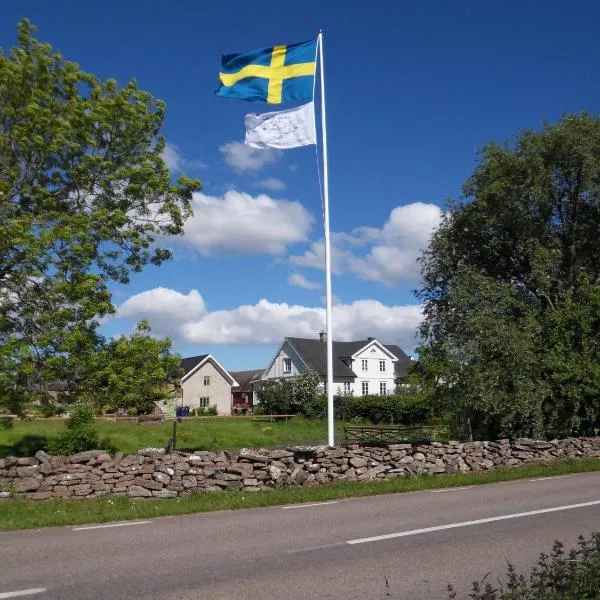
244	378
191	361
314	353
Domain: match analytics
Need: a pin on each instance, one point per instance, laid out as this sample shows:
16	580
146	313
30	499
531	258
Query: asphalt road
405	546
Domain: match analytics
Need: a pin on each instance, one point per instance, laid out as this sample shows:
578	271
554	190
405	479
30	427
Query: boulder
136	491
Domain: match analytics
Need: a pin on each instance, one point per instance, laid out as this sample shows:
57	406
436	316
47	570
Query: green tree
134	372
85	197
511	288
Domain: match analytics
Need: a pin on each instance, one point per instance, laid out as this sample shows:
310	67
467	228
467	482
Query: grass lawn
22	514
228	433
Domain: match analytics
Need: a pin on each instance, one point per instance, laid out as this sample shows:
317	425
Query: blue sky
413	89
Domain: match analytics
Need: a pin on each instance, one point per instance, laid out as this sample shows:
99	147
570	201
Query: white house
362	367
206	383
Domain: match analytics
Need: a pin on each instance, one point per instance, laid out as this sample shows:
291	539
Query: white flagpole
328	328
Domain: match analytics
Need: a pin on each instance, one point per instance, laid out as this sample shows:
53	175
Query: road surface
404	546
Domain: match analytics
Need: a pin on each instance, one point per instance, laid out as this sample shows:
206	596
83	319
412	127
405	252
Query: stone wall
152	473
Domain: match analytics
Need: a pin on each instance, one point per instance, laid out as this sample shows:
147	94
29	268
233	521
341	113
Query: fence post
174	435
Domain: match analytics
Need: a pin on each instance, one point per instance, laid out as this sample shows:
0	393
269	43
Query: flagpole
328	327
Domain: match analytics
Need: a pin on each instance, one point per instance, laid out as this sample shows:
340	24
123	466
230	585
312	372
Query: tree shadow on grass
28	445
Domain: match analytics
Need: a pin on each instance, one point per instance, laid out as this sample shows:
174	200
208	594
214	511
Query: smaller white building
206	383
361	368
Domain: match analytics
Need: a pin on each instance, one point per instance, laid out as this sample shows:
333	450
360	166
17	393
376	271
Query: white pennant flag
284	129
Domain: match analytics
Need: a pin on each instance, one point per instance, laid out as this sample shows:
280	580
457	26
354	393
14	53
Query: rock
357	462
234	485
164	494
252	488
27	484
279	454
161	478
189	482
274	472
42	456
82	457
301	477
152	452
104	457
419	456
166	470
4	495
253	456
228	477
148	484
250	482
136	491
27	461
28	471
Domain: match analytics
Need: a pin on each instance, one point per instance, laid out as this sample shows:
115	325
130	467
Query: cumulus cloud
245	158
266	323
271	183
176	162
241	223
299	280
387	255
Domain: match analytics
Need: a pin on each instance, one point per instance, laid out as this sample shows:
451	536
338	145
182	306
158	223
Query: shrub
559	576
80	435
211	411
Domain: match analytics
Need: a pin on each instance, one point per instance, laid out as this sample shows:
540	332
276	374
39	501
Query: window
365	364
382	366
383	388
365	388
207	380
203	402
287	365
347	387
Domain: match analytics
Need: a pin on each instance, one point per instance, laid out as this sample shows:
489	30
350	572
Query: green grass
22	514
233	433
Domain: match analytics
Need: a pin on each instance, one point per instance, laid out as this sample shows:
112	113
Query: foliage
81	433
134	372
210	411
289	395
511	289
84	197
559	576
401	408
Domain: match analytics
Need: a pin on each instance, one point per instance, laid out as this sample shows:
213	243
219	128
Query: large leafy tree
85	197
134	372
511	288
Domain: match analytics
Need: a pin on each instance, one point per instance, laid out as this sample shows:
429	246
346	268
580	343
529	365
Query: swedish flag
275	75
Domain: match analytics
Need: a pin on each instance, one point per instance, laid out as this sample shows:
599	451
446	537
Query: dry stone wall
153	474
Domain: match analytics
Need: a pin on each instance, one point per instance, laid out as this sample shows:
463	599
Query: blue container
178	410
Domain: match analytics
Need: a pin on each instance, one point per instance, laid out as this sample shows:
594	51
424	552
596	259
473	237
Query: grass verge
22	514
25	438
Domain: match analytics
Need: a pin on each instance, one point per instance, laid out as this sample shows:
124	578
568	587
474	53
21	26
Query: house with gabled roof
206	383
360	367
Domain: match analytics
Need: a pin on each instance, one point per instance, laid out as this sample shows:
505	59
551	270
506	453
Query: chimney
370	339
323	336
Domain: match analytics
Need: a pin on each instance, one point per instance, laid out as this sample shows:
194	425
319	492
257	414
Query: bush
560	576
211	411
80	435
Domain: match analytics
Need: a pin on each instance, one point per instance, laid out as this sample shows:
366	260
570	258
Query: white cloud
245	158
164	308
299	280
272	183
266	323
241	223
177	163
391	252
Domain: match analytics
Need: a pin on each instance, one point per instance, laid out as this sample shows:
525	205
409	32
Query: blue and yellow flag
275	75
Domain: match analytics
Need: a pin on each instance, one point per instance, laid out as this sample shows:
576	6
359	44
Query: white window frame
207	380
382	366
382	388
364	387
364	363
287	365
347	387
203	402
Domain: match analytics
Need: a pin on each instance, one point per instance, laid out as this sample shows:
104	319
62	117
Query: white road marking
551	477
309	505
126	524
450	489
310	548
20	593
530	513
